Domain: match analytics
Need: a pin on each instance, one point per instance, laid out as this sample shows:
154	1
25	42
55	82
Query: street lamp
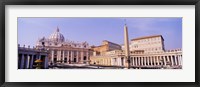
38	63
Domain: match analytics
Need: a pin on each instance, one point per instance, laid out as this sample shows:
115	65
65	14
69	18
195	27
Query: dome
57	36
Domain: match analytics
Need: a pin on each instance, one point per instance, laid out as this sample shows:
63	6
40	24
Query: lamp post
38	63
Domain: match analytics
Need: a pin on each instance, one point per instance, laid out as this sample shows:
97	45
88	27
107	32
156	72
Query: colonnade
163	60
69	56
26	60
142	61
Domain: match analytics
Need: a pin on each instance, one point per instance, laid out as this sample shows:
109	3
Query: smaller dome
57	36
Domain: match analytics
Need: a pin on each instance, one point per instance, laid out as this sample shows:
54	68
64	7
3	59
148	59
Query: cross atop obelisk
126	44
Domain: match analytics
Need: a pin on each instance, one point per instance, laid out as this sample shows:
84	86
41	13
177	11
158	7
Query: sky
95	30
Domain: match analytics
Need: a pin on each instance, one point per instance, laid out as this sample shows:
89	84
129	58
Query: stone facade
64	51
69	55
28	56
167	59
105	47
154	43
145	53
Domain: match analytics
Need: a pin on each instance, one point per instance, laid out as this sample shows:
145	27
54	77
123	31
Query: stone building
28	56
145	53
64	51
106	46
148	44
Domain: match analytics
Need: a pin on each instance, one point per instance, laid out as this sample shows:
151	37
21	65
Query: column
63	56
118	63
104	61
165	60
22	62
148	60
133	62
151	60
46	62
52	55
180	60
124	60
139	60
112	63
57	53
168	59
136	63
158	60
154	61
68	56
162	60
27	61
172	61
87	57
116	59
31	64
60	55
142	61
81	57
77	56
72	56
145	61
177	61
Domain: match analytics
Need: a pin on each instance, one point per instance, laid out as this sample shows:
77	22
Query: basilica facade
64	51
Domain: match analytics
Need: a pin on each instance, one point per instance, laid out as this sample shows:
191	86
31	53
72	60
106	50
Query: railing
31	49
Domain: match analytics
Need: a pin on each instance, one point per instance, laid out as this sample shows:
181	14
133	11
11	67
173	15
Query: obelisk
126	45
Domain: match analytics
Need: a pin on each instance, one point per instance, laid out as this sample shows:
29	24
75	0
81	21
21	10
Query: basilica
64	51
